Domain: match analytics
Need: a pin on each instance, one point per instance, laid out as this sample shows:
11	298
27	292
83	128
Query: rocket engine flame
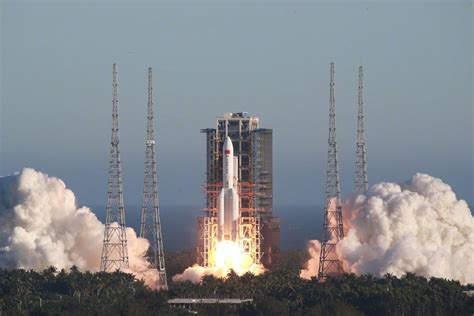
419	226
228	256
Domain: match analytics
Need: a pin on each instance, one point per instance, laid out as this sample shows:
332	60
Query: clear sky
270	59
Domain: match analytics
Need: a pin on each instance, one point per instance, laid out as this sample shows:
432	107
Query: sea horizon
298	224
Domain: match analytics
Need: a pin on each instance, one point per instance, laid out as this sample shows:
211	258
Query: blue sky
267	58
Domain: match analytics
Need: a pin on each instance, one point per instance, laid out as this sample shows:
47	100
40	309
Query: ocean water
298	224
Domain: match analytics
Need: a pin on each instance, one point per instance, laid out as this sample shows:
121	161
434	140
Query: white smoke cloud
228	256
312	266
418	227
40	226
197	272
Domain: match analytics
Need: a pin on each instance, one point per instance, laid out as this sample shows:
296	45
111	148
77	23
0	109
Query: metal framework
114	250
252	146
209	238
361	185
150	227
329	264
250	237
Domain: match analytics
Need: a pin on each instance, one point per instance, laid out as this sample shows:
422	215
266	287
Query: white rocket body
228	213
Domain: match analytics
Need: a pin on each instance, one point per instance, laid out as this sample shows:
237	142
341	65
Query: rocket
228	212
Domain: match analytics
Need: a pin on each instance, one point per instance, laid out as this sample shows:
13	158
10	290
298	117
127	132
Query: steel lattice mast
150	227
114	251
361	185
329	264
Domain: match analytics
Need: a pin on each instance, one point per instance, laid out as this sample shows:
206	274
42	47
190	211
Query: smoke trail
418	227
40	226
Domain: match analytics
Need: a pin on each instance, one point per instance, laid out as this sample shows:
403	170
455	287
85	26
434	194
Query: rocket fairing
228	213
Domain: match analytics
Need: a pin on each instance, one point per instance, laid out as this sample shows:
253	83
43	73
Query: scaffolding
114	248
250	237
209	237
253	148
329	264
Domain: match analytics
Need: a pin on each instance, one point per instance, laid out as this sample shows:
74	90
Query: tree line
279	292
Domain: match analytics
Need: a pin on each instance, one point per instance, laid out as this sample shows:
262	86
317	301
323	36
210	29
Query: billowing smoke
40	226
228	256
312	266
197	272
419	226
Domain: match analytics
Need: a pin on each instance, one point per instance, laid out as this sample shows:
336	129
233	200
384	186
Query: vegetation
284	293
293	259
177	261
59	293
280	292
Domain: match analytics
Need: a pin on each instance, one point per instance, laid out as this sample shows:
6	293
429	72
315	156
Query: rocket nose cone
227	142
228	145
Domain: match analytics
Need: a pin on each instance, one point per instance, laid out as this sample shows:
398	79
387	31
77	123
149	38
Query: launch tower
361	183
150	227
114	250
329	264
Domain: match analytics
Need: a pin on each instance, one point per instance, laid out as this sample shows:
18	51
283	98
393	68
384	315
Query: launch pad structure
114	250
248	155
361	184
259	230
150	223
333	232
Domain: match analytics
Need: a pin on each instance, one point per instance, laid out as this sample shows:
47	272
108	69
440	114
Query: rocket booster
228	213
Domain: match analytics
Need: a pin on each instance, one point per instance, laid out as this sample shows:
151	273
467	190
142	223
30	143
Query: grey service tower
259	230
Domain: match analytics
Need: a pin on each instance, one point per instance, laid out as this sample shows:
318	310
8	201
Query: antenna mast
114	250
329	264
361	185
150	227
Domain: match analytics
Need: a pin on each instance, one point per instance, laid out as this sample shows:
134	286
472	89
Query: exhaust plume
312	266
40	226
419	226
197	272
228	256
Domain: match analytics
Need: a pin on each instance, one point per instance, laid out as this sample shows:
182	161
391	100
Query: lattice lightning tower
150	218
114	251
329	264
361	185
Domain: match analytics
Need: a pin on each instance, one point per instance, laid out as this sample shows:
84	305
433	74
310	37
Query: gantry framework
150	227
329	264
257	226
361	182
114	250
